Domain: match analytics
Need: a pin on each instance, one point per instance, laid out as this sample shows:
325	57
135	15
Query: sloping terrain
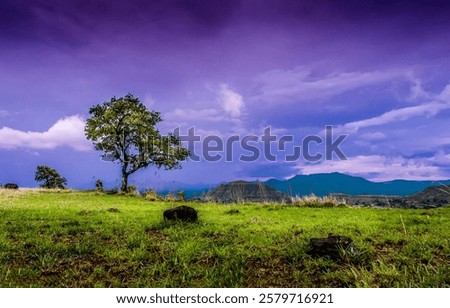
431	197
436	195
323	184
241	191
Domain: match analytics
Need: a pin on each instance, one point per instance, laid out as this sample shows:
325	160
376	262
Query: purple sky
375	70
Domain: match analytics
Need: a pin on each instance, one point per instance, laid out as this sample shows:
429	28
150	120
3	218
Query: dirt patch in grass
273	272
155	233
389	245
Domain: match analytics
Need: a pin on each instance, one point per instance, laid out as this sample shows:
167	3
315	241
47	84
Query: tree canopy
49	178
124	129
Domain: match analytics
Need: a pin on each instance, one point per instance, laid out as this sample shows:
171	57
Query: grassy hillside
84	239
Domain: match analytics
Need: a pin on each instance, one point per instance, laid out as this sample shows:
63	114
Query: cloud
267	170
4	113
231	108
379	168
300	84
231	102
373	136
402	114
186	115
428	109
148	101
445	94
417	91
68	131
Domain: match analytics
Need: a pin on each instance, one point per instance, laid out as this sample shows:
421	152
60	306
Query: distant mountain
241	191
438	195
323	184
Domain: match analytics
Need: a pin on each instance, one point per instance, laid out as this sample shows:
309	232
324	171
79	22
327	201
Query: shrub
11	186
170	197
315	201
151	195
132	190
49	178
112	191
99	185
181	195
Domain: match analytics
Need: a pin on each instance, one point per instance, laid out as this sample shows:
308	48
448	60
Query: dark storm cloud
77	22
362	10
16	21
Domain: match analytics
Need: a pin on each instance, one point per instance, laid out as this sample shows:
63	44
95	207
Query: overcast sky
375	70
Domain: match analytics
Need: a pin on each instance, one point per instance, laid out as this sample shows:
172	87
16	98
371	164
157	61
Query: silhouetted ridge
323	184
242	191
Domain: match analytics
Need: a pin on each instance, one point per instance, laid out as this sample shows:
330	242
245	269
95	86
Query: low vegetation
11	186
318	202
64	238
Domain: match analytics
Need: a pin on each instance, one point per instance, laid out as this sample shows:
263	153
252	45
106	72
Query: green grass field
73	239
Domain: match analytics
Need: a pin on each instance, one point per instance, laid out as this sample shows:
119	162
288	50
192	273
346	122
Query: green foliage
99	185
49	178
132	190
124	129
85	239
11	186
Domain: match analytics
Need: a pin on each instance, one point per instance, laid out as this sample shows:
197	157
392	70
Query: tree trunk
124	187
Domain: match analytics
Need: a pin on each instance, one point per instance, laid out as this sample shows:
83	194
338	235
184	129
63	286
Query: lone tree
125	130
49	177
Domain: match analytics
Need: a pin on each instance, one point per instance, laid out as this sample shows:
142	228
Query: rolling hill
323	184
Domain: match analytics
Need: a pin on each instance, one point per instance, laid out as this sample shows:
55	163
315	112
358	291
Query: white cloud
68	131
402	114
4	113
372	136
187	115
149	101
428	109
417	91
301	84
231	106
441	158
445	94
231	102
379	168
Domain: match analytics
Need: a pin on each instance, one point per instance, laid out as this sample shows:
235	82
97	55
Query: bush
11	186
170	197
113	191
151	195
49	178
315	201
99	185
181	195
132	190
